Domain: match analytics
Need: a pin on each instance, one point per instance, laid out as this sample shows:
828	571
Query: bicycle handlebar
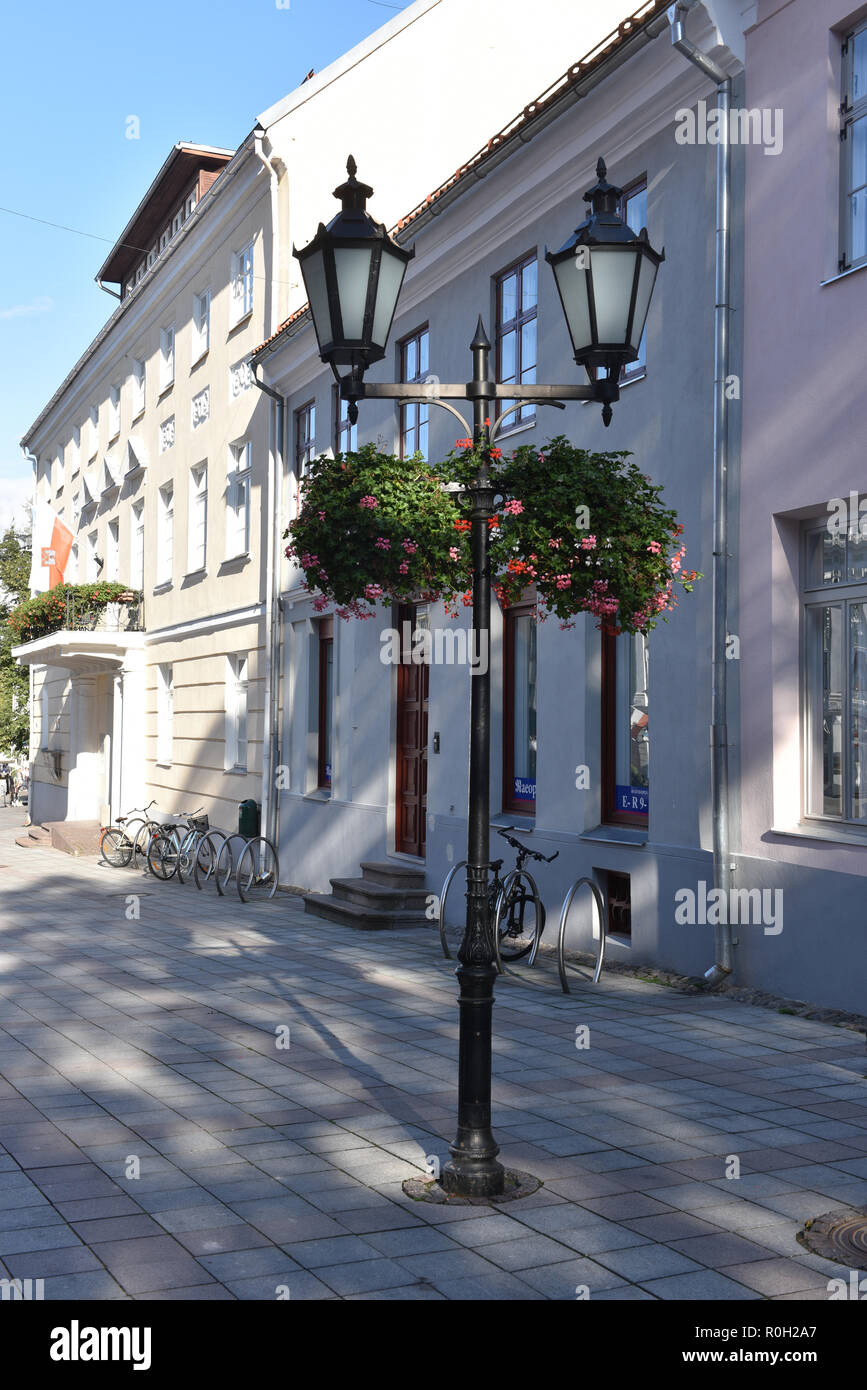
516	844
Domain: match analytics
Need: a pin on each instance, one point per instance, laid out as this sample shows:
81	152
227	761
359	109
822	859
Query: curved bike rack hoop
461	864
561	936
508	883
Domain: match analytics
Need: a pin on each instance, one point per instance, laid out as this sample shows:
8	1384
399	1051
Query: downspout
32	459
272	609
272	569
723	947
114	293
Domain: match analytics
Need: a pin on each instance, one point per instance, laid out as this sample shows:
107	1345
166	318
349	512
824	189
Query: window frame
510	803
238	478
139	387
342	426
325	715
237	712
525	417
850	113
197	558
421	412
165	713
305	439
241	286
137	547
201	326
167	357
611	814
813	597
165	534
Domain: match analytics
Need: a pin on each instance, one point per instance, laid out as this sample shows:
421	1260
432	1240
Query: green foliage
14	679
589	531
46	612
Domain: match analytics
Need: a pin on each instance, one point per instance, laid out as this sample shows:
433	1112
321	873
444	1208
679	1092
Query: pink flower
588	543
382	543
321	516
409	546
554	545
404	566
514	508
368	502
654	547
373	591
564	581
454	553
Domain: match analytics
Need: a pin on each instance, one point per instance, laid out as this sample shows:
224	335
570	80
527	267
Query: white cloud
41	305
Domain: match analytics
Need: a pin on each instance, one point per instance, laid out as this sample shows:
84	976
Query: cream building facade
166	462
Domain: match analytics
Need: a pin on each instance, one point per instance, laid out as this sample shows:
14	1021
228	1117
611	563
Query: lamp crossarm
438	391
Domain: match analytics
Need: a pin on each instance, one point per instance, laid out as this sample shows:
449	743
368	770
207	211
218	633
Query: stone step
349	914
76	837
377	897
392	875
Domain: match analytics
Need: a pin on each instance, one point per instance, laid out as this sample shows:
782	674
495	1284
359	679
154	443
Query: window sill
158	763
200	573
518	429
165	390
505	819
843	274
199	360
234	771
319	794
234	562
827	833
139	416
615	835
239	323
163	588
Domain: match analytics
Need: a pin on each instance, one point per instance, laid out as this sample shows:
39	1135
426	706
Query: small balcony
81	631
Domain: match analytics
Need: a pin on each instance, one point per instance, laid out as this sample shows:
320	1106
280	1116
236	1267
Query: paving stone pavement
139	1035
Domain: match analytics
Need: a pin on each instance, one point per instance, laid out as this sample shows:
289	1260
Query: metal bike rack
461	864
561	937
501	902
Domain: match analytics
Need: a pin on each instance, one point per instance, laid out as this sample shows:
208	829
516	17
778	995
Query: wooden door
412	721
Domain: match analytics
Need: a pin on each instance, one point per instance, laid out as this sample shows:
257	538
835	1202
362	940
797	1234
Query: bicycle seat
496	865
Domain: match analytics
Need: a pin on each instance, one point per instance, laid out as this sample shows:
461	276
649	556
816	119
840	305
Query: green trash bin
248	818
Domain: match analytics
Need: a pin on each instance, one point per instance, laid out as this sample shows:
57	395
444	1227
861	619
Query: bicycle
174	851
516	912
121	842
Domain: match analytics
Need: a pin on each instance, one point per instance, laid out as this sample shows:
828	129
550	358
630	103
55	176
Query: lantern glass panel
646	281
352	265
612	271
573	285
391	273
313	268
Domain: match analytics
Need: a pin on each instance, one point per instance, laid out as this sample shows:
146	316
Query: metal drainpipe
723	946
276	456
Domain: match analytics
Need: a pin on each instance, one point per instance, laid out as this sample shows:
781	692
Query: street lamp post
605	274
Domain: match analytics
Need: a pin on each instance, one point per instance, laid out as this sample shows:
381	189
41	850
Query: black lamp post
353	273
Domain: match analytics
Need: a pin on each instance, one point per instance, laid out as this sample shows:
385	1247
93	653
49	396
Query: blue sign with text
636	799
524	789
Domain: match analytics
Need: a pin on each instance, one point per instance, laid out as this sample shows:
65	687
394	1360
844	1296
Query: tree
14	680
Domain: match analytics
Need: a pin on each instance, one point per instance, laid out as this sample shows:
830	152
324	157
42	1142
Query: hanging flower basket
589	531
47	612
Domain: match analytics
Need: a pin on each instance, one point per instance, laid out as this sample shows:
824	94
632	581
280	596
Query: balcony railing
85	616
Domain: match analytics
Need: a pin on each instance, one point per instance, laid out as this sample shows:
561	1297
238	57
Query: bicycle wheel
187	855
258	871
227	861
163	855
520	917
145	834
207	857
115	847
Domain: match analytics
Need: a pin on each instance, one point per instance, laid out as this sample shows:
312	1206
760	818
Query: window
138	387
76	507
92	557
59	469
94	433
201	324
834	598
113	412
236	713
516	315
325	634
305	438
633	210
238	501
165	714
519	708
71	575
625	730
112	556
197	537
75	451
167	357
136	548
345	434
242	284
165	533
853	151
414	366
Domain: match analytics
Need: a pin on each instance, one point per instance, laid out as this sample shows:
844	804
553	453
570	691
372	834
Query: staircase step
39	834
349	914
377	897
392	875
25	841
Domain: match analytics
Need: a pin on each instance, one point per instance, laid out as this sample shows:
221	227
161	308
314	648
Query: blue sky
197	70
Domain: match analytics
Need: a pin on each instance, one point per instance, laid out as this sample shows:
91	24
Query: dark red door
412	716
